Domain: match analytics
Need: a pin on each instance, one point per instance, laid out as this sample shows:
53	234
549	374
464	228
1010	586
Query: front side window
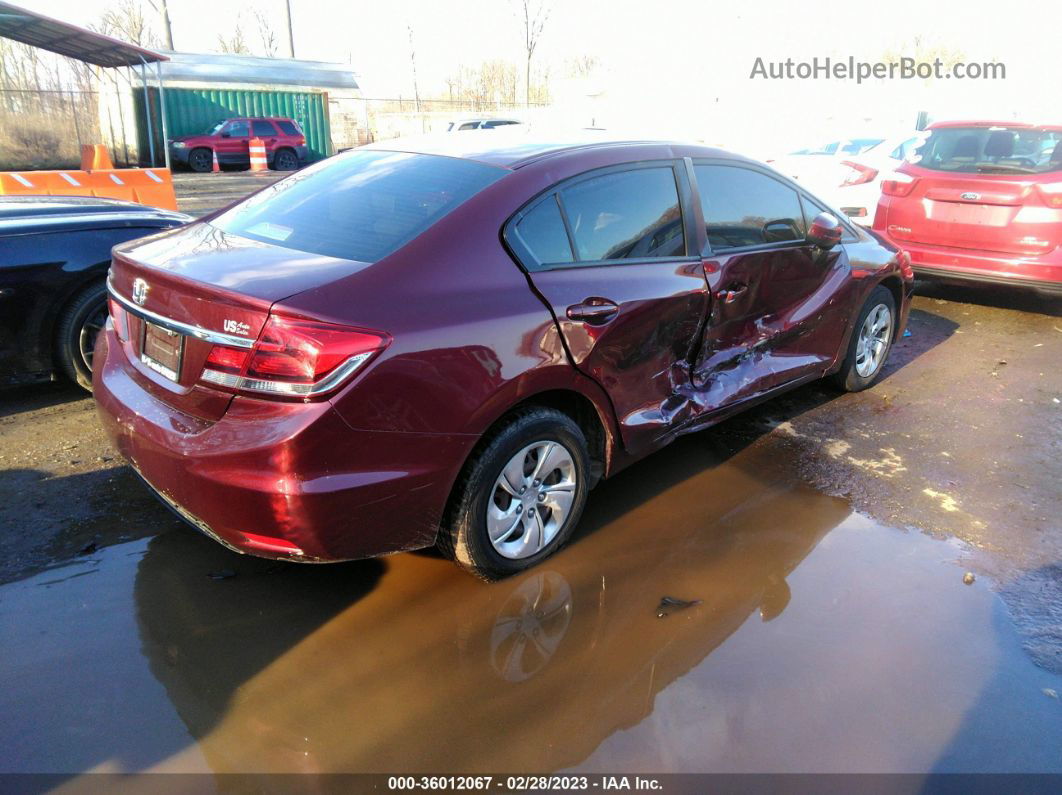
360	206
626	215
238	129
743	208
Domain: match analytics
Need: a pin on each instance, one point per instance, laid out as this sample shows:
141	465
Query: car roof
31	214
513	149
1019	125
38	206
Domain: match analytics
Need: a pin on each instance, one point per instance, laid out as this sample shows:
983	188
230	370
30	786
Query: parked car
450	342
848	172
284	141
981	201
54	254
480	124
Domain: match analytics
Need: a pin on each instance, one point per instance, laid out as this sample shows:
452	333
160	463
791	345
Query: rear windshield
361	206
991	150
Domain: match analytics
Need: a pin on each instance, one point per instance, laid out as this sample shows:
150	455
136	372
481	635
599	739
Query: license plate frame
162	350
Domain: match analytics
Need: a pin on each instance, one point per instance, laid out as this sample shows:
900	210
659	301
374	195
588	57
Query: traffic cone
257	152
215	167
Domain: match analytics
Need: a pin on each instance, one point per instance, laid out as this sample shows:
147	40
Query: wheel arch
894	285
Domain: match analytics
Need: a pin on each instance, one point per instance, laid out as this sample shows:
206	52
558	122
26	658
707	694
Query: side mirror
825	232
226	134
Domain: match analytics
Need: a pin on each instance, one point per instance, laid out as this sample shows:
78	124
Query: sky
669	61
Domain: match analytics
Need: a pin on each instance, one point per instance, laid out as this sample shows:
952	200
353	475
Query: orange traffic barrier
95	157
150	186
259	159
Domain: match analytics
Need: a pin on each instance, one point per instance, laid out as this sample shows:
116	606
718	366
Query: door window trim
530	263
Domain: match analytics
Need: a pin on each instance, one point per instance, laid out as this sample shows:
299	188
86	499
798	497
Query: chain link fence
44	129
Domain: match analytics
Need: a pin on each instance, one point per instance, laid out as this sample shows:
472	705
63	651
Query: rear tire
285	160
76	333
201	160
871	342
519	497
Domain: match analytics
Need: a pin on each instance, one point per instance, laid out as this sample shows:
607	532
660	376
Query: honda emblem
140	291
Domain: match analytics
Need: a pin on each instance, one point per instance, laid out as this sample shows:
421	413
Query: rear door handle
595	311
732	293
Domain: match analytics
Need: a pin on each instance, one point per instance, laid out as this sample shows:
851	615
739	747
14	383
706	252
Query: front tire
871	342
79	325
201	160
520	497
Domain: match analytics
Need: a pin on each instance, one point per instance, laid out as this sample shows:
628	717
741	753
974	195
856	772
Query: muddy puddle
799	637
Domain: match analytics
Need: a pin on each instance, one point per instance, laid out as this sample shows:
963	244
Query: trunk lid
204	287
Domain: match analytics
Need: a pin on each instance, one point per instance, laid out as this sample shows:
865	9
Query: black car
54	255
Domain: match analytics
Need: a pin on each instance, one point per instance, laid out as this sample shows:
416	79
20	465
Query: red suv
230	139
981	201
451	341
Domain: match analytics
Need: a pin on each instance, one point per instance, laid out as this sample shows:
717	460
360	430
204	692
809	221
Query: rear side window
542	232
747	208
288	127
626	215
359	206
991	150
262	127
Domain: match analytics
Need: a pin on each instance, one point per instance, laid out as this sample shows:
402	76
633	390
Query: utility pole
291	35
167	31
163	10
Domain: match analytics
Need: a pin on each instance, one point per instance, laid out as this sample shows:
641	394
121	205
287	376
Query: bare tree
413	63
235	43
582	65
533	14
266	34
125	20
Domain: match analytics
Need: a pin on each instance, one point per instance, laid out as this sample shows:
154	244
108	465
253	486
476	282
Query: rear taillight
903	259
119	319
900	185
294	358
860	174
1051	193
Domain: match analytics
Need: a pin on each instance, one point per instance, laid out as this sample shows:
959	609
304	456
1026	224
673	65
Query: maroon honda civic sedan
450	342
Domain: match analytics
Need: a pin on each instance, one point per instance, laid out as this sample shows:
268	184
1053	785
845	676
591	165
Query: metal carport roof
50	34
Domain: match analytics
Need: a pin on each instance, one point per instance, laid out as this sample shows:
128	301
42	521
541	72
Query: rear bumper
1043	273
280	480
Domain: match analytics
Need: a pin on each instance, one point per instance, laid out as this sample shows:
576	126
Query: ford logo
970	196
140	291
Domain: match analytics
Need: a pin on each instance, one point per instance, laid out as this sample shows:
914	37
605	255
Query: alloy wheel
531	500
873	341
89	331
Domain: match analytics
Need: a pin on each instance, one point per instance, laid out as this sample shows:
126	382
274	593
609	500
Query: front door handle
732	293
595	311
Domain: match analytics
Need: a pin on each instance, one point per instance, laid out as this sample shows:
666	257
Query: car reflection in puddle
409	665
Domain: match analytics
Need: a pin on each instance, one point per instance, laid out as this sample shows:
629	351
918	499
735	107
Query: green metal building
198	90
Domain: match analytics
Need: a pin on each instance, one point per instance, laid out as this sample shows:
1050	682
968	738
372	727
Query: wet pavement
829	627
